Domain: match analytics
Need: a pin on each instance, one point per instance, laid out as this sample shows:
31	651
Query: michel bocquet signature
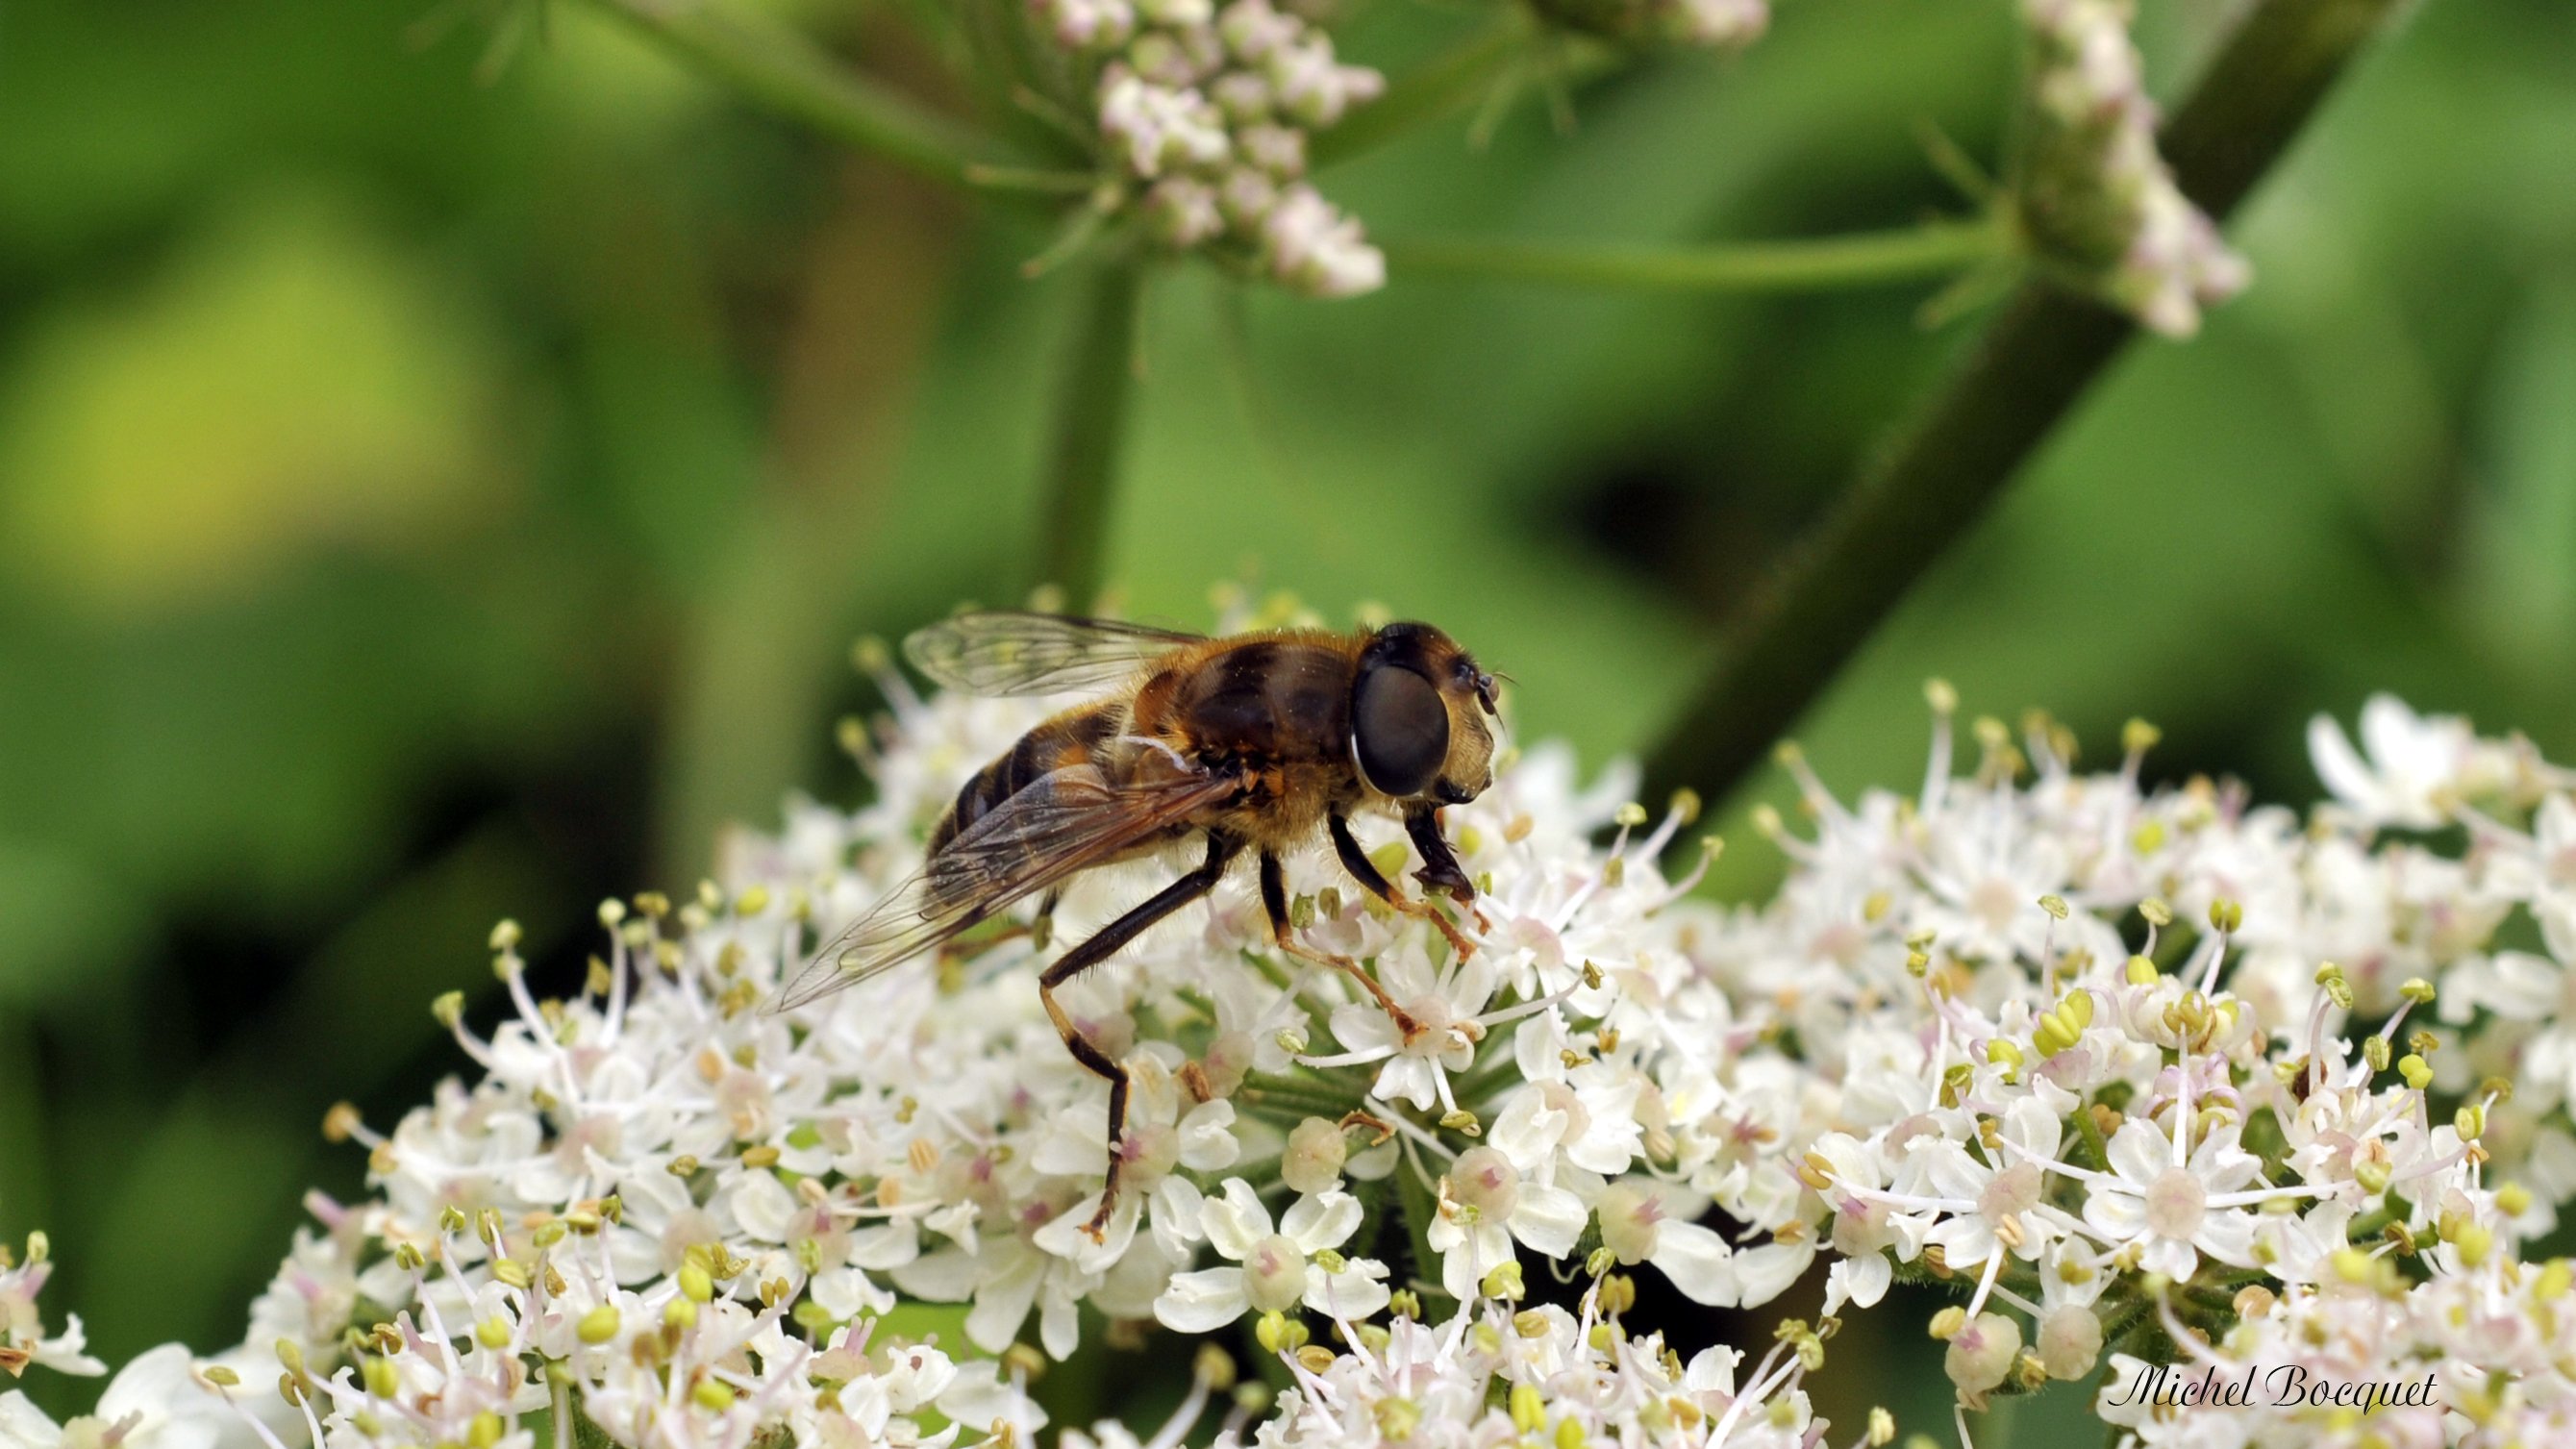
2280	1386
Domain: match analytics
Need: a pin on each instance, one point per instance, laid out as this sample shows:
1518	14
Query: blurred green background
426	497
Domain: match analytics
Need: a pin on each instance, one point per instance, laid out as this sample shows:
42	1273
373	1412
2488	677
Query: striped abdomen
1066	739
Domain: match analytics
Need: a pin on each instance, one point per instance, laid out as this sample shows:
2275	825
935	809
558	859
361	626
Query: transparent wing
1064	822
1011	652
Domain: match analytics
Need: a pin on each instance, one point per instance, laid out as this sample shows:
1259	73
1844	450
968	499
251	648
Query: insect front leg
1440	869
1371	879
1099	948
1274	901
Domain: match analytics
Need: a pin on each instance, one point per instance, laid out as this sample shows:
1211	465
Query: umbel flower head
1202	113
2093	198
2137	1074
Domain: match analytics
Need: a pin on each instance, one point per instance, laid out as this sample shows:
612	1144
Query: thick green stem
2001	401
1090	423
782	71
1907	254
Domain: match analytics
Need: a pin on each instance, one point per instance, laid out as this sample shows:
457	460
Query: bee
1260	744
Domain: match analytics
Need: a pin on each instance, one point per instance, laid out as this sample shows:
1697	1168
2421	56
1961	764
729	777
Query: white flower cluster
1491	1378
2094	196
1979	1037
2106	1146
1204	113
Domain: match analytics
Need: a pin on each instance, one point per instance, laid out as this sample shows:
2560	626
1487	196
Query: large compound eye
1399	729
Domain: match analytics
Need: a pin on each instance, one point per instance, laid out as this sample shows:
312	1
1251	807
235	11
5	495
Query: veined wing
1065	821
1004	651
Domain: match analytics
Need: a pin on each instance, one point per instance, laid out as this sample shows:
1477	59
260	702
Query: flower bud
1313	1160
1981	1353
1485	1180
2070	1341
1629	1223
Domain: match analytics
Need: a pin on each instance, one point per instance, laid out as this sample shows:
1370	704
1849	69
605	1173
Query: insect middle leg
1102	945
1274	900
1365	871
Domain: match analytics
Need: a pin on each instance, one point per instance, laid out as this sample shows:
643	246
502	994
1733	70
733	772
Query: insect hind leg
1100	947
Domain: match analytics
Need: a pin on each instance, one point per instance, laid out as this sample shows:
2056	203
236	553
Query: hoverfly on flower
1260	743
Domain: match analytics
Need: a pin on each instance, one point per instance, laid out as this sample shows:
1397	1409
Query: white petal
1410	1080
1178	1205
845	1293
1870	1275
763	1205
2139	1153
1202	1302
2035	1126
1698	1262
2227	1235
1060	1327
1207	1137
2170	1256
1966	1242
1527	1131
888	1245
1549	1219
1323	1221
1363	1029
1357	1292
2119	1216
24	1426
1236	1221
947	1276
2339	766
1002	1304
1764	1273
1063	1235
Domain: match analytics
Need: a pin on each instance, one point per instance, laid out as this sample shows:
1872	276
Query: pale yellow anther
599	1325
1529	1411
